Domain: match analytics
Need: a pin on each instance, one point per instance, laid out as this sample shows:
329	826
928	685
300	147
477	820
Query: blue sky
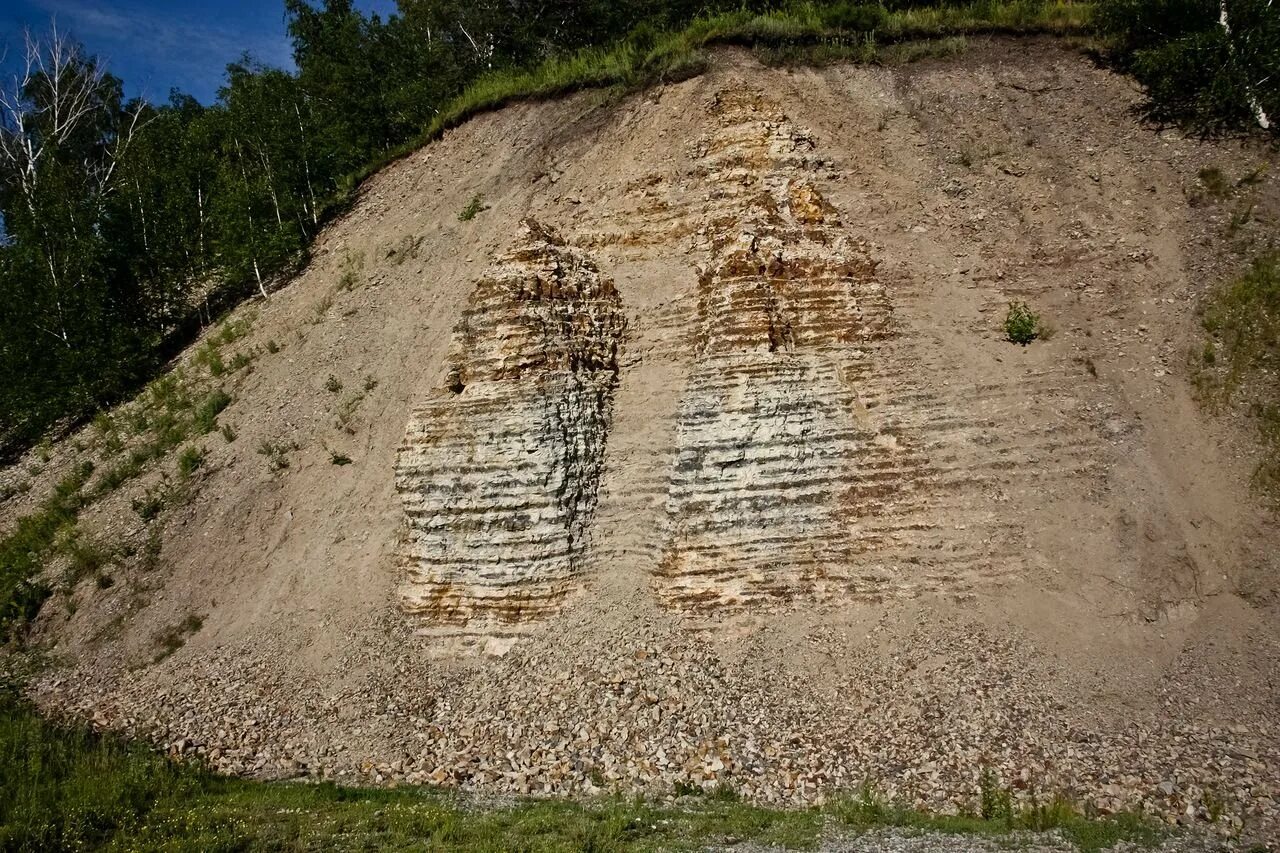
155	45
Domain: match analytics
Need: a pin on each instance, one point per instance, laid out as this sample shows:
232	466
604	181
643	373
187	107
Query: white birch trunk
1259	114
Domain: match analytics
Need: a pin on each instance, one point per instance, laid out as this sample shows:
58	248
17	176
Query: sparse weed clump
277	454
321	309
344	417
994	801
190	460
174	637
13	489
151	503
1215	182
210	353
350	272
205	418
84	556
404	250
473	208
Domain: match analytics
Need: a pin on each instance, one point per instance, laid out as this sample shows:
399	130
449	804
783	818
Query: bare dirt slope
720	472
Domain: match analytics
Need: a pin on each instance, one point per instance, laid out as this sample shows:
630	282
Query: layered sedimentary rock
500	466
812	460
768	442
788	438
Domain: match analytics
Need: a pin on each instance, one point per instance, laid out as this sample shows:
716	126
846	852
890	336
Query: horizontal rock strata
500	466
769	445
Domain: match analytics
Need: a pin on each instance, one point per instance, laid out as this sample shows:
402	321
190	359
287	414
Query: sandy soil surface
1044	560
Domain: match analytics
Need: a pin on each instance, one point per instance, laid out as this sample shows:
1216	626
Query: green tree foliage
69	326
1197	71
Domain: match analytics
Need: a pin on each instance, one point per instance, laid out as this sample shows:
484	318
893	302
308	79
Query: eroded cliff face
804	459
500	467
767	439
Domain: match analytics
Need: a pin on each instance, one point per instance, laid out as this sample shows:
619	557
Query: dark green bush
1194	73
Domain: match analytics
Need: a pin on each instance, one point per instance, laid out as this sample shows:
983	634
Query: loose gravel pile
643	709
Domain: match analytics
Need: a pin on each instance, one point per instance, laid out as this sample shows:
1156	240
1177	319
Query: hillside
696	456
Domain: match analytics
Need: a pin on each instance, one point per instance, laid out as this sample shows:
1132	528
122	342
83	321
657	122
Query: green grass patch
1240	362
22	552
64	788
997	815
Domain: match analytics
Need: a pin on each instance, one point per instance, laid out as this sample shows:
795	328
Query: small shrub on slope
474	207
1021	325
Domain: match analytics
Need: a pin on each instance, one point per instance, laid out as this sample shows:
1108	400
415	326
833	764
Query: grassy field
68	789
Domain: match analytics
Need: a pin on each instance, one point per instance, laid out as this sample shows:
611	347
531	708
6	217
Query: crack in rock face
500	466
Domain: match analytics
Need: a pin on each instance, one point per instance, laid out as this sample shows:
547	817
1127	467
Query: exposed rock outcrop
500	466
769	446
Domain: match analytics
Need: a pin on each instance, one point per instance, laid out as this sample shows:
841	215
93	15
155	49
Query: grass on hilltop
800	33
